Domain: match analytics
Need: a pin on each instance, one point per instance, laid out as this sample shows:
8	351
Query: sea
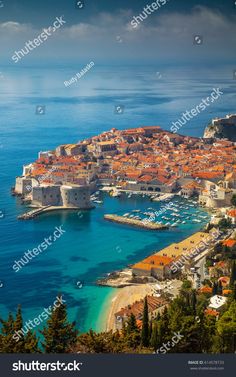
90	248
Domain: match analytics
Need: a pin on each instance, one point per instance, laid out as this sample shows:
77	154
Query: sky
101	31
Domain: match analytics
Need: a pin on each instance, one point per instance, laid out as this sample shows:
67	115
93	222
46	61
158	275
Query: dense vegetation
185	316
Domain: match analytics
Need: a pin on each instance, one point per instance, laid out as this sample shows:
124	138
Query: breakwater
134	222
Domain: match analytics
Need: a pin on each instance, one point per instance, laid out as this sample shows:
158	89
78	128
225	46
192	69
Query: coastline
120	298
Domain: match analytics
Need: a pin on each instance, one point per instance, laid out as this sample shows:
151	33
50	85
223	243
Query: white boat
175	209
183	222
98	201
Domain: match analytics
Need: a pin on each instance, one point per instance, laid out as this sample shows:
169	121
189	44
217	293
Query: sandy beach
123	297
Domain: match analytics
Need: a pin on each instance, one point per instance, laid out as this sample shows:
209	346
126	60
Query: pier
134	222
32	214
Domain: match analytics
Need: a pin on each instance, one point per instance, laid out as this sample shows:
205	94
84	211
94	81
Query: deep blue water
90	247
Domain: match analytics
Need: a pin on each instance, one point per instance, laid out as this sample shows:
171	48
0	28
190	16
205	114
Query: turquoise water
91	247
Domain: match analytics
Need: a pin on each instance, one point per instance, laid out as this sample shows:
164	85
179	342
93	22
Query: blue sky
101	32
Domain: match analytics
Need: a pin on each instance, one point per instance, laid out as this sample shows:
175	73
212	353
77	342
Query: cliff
222	128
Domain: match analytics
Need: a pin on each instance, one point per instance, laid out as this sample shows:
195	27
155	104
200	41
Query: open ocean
91	247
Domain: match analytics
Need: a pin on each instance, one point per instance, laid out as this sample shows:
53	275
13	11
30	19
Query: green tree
131	324
154	337
193	301
226	331
11	342
145	325
150	330
31	343
214	289
7	343
233	200
18	325
224	224
59	335
234	292
219	288
233	274
132	333
186	284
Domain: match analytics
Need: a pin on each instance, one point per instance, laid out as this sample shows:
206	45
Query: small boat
115	194
98	201
183	222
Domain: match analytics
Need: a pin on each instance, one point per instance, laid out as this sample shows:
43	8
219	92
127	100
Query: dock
38	211
32	214
134	222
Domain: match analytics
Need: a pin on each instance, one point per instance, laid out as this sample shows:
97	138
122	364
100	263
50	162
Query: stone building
68	196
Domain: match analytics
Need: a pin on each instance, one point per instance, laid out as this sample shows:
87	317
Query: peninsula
146	159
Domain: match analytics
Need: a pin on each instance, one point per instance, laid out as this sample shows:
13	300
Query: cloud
14	27
165	34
